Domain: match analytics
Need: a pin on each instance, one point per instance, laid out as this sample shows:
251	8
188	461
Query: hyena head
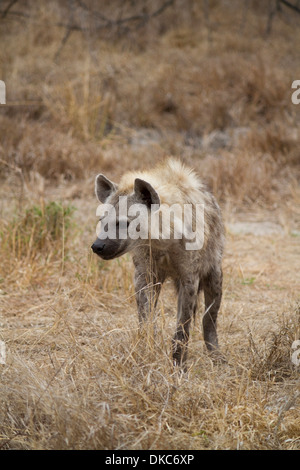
124	216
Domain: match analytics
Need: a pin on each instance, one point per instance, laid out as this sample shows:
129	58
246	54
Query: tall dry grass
206	85
195	78
79	374
82	377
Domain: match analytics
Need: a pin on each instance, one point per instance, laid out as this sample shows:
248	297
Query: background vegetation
108	86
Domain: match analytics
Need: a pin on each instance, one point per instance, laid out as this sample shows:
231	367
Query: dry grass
79	374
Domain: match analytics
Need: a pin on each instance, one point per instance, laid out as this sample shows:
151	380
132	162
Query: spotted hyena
185	246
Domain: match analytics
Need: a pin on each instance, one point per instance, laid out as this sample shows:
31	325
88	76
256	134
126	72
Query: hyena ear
146	192
104	187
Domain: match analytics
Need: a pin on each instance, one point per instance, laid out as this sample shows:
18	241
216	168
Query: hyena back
155	260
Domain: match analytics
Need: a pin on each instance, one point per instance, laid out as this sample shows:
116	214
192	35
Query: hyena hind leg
212	286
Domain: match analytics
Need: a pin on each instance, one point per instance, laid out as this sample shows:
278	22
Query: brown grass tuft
209	82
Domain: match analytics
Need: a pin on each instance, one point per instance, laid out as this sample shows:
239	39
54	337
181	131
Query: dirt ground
213	88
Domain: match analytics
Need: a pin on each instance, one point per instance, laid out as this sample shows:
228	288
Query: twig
290	5
92	12
108	23
9	6
6	12
272	10
63	42
144	17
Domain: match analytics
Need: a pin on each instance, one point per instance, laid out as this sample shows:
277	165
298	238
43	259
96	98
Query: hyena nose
98	248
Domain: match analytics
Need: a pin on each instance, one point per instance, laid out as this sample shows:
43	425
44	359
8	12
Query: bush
41	230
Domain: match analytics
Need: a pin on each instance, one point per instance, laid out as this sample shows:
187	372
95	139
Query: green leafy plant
41	229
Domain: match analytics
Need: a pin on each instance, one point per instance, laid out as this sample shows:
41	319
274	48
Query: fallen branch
290	5
9	6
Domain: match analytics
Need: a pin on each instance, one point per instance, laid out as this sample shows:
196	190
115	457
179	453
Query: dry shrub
241	177
186	81
80	108
34	240
40	227
273	361
200	93
276	140
34	147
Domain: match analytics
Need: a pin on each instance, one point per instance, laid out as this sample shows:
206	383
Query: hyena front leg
147	291
212	286
187	303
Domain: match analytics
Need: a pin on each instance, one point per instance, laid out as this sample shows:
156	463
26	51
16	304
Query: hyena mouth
106	254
